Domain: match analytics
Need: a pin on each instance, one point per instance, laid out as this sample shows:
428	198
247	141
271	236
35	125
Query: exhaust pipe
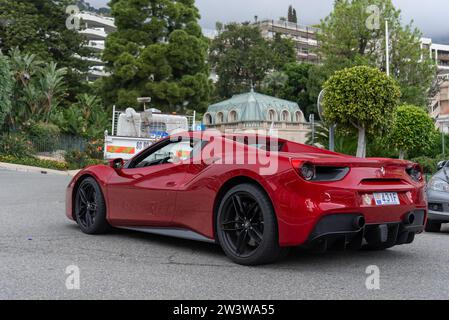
409	219
359	222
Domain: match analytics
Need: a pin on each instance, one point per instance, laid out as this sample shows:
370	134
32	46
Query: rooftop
253	106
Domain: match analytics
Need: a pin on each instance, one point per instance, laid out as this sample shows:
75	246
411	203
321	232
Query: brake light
415	172
305	169
310	172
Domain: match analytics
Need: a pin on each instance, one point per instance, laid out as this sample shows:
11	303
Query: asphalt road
37	243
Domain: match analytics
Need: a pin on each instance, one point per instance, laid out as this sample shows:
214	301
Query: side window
172	152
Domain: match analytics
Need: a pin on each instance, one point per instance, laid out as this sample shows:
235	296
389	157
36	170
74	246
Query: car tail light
307	171
310	172
415	172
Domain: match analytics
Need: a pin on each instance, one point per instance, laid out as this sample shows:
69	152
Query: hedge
35	162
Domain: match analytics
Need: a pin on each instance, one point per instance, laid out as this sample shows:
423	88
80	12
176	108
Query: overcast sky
431	16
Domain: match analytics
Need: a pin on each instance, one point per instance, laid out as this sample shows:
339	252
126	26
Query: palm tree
51	83
345	142
24	66
274	82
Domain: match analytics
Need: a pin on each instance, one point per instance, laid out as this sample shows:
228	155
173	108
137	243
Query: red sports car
253	195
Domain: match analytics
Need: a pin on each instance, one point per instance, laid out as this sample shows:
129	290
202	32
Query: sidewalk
22	168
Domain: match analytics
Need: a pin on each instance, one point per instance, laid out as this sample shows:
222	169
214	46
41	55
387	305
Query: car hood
441	175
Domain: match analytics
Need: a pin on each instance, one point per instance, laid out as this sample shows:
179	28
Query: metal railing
261	125
290	25
59	143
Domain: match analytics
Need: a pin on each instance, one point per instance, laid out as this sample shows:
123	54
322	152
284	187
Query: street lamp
387	46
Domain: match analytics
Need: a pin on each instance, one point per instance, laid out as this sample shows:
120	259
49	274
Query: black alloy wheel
90	209
247	227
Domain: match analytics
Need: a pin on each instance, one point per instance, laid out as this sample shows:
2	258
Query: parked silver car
438	198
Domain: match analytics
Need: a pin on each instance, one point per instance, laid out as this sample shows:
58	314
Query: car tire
90	208
247	227
433	226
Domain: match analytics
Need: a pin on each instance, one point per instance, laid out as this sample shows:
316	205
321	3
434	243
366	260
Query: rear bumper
345	231
301	206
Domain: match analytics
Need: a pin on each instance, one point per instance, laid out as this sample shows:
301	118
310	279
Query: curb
22	168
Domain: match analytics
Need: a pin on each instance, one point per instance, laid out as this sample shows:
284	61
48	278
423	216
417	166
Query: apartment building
439	104
439	53
96	28
304	37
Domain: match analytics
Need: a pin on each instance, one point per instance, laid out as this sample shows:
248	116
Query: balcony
289	25
97	46
443	56
93	20
94	33
97	72
93	61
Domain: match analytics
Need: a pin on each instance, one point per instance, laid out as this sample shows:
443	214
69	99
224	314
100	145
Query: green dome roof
253	106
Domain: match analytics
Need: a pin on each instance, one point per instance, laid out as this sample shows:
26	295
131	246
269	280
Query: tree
412	130
6	83
274	83
290	83
52	86
25	98
38	89
85	118
283	51
291	15
158	50
360	97
39	27
241	57
349	36
296	87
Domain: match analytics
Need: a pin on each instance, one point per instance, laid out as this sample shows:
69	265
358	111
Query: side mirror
441	165
116	163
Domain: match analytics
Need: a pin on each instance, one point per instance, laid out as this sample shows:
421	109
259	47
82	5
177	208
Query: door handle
171	184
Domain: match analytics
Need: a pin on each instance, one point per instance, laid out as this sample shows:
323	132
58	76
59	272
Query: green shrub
34	162
429	165
78	160
16	145
94	149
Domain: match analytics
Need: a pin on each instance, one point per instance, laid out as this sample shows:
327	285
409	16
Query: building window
207	119
272	115
220	117
299	117
233	116
285	116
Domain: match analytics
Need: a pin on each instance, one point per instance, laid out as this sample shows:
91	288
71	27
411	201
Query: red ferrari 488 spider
253	195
